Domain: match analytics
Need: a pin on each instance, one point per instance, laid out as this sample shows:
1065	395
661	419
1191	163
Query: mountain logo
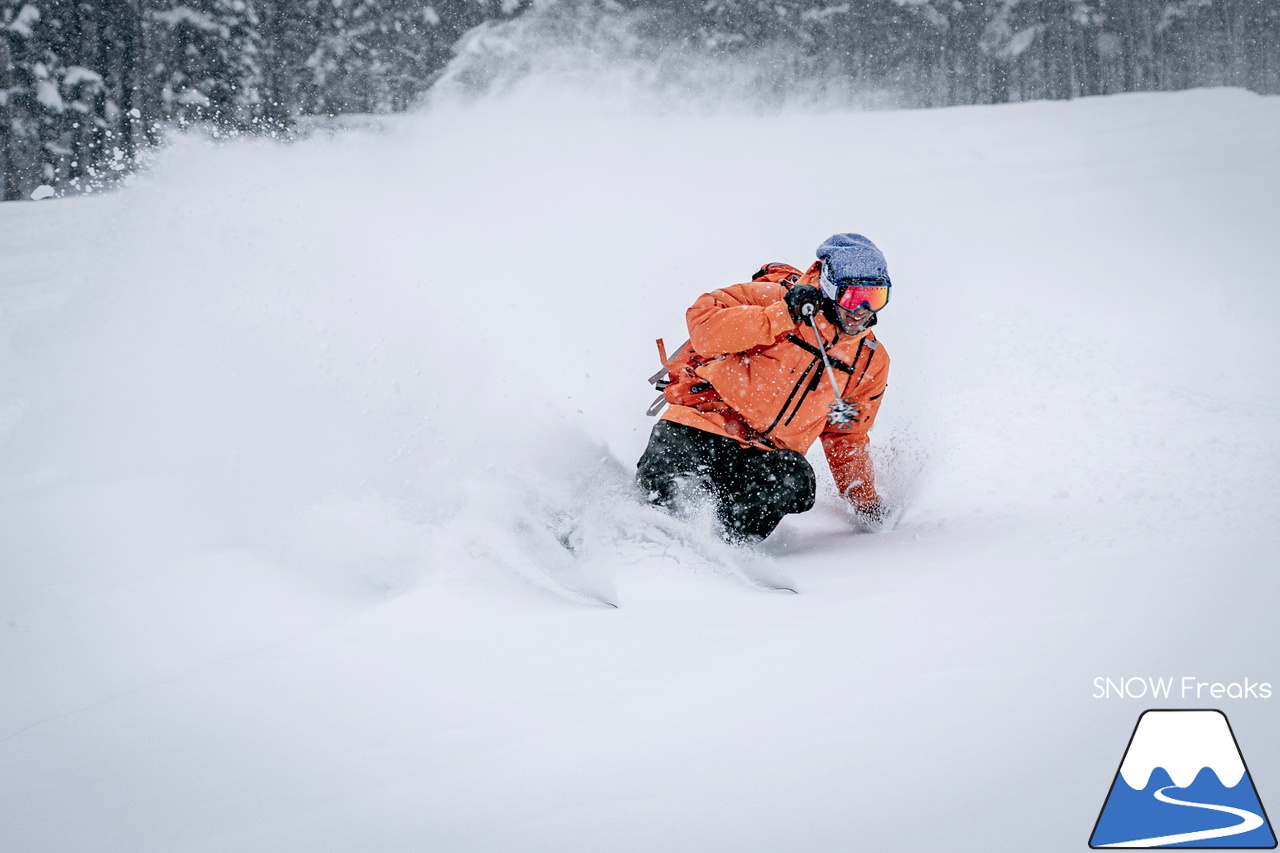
1182	783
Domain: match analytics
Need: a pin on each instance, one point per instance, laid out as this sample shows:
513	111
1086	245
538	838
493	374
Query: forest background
87	88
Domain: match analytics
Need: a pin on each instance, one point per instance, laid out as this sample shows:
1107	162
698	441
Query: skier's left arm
847	448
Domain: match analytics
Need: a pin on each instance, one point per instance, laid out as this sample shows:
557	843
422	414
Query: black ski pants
752	488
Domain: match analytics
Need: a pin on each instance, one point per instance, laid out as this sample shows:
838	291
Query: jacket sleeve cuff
780	321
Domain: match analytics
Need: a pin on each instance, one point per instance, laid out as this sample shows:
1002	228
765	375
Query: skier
770	366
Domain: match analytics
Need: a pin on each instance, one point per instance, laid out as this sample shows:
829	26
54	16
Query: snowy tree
376	56
54	112
209	56
84	85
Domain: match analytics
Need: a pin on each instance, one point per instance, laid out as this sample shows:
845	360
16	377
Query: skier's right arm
737	318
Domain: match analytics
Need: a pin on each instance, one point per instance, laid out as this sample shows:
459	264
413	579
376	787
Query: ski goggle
852	293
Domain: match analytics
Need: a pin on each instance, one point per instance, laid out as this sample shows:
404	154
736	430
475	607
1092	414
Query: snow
179	15
292	435
24	22
77	74
1019	43
1183	743
193	96
48	95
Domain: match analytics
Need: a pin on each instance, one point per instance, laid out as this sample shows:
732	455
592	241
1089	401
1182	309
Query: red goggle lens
852	297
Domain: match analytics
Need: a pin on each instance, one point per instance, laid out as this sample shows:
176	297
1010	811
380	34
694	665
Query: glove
873	517
800	296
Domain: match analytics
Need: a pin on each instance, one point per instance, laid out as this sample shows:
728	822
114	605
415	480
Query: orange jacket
767	383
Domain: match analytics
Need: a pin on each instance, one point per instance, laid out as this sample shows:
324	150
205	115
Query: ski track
1248	822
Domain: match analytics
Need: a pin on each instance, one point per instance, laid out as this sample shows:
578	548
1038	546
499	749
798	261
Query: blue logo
1183	783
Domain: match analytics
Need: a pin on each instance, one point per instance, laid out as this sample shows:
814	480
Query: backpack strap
816	353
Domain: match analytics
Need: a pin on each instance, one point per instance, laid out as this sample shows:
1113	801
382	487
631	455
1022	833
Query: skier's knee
748	524
791	482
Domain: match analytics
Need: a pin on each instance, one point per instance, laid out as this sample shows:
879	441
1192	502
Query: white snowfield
1183	743
315	471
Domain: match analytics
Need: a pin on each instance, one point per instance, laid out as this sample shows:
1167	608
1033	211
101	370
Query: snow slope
291	437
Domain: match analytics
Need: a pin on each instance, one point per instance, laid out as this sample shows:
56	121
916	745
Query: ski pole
842	413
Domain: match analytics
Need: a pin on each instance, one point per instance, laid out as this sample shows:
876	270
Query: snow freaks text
1186	687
